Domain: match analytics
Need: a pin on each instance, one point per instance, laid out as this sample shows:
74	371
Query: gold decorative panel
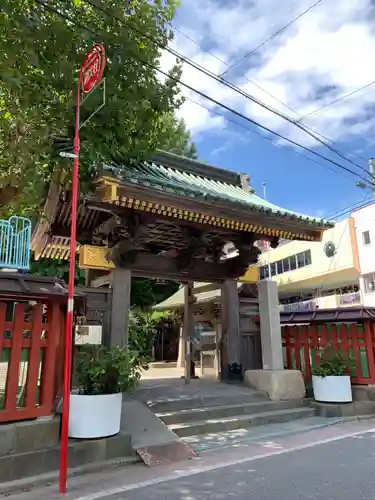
251	275
92	257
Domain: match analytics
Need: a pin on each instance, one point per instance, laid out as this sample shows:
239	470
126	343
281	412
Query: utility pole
365	185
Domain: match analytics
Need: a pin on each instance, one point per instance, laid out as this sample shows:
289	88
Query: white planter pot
335	389
94	416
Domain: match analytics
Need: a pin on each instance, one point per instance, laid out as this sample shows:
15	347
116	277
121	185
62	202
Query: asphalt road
342	470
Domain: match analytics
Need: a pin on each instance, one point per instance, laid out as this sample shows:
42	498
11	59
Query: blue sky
326	54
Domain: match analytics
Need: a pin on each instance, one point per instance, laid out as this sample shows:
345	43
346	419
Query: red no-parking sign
92	68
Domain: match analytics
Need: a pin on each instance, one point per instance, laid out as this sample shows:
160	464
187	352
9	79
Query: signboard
92	68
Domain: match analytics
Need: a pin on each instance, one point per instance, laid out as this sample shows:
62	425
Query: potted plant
102	376
331	378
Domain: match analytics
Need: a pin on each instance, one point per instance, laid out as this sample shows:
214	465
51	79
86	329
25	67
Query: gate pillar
121	287
270	329
231	334
278	383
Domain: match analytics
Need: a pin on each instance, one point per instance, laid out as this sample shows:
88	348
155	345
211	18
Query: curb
44	480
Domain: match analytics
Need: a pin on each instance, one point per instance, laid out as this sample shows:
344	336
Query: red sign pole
89	77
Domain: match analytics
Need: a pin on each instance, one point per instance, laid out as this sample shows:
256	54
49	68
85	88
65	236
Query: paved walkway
242	438
171	388
335	462
167	372
338	470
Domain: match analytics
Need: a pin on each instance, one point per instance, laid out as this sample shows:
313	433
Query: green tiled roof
179	182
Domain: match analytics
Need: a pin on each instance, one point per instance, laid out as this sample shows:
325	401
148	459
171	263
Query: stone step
180	404
215	412
213	425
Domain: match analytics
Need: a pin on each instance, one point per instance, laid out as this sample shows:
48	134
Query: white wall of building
321	268
364	220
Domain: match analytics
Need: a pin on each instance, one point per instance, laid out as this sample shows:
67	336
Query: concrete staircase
210	415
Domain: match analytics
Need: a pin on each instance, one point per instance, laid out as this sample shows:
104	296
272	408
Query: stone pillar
181	348
277	383
121	286
272	352
231	335
188	328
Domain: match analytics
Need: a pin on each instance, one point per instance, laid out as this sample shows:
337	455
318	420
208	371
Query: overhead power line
208	51
226	83
335	101
300	117
350	208
205	96
278	32
293	150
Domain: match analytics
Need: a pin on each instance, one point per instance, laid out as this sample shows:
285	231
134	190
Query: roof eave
242	209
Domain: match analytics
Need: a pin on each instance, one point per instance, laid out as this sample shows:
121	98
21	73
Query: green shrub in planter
333	364
100	370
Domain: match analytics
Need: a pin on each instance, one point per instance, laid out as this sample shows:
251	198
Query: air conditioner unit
88	334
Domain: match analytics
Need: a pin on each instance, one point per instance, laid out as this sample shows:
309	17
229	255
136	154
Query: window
262	272
286	265
369	281
293	262
307	257
266	272
300	259
279	267
273	268
366	237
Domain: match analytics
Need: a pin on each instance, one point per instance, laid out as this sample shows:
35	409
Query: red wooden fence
29	339
302	344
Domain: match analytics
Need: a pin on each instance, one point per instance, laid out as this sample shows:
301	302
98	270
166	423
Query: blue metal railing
15	239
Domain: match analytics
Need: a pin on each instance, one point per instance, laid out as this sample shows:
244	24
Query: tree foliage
148	292
56	268
177	137
40	53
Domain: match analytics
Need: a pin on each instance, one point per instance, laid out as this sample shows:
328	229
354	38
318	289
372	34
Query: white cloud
324	55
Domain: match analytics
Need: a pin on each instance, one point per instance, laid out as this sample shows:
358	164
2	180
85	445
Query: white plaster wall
364	220
368	299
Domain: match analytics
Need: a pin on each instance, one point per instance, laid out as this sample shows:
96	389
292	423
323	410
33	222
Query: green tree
56	268
175	137
148	292
40	53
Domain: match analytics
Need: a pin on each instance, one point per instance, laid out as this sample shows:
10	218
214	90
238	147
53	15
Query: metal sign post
90	75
